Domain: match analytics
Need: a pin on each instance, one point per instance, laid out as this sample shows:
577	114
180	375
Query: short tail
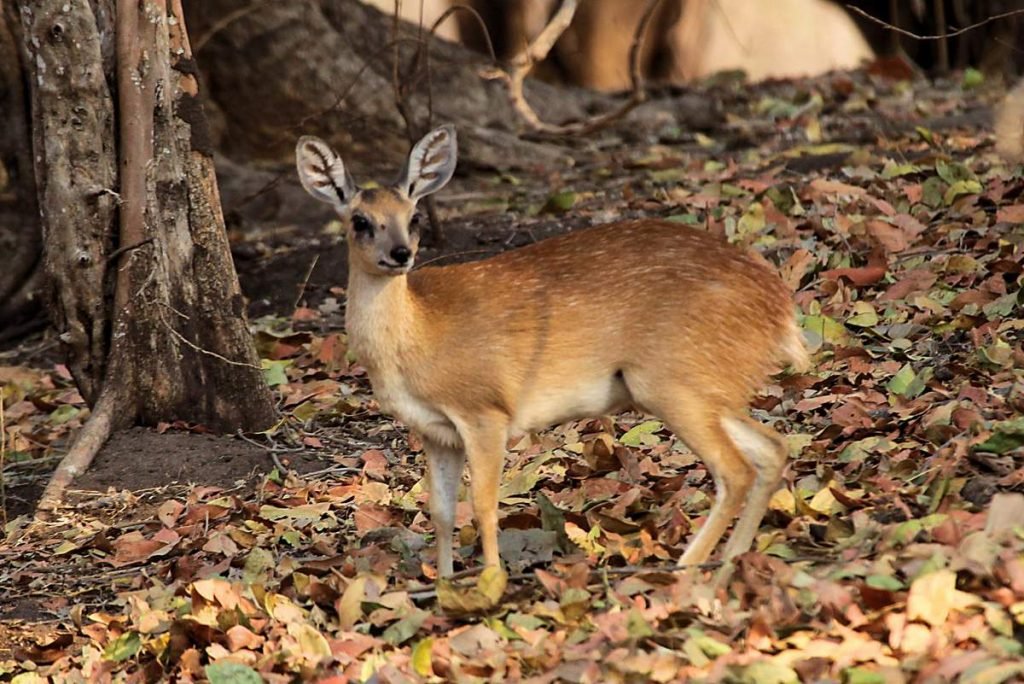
794	349
1009	125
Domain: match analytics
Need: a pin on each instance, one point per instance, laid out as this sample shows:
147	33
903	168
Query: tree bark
20	240
146	299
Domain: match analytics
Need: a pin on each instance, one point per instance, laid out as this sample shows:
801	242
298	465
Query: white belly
397	400
589	398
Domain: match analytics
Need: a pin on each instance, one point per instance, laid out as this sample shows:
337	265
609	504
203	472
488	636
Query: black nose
401	254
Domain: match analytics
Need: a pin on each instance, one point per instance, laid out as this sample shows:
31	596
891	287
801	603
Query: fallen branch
538	50
597	576
941	36
90	440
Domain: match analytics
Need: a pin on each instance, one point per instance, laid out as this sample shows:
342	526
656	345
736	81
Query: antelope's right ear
322	172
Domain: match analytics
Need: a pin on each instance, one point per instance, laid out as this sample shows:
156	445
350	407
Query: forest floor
893	552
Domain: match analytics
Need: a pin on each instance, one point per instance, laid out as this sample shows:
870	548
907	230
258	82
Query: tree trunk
145	295
20	239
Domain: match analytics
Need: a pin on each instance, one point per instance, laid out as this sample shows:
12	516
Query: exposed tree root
90	440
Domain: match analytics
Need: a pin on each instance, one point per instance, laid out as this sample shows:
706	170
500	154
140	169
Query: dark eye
416	222
361	225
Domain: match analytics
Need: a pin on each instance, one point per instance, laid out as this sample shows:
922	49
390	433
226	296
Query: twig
599	573
88	443
222	24
943	36
195	347
305	281
127	248
333	470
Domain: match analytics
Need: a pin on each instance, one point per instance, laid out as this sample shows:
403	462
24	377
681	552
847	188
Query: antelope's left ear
431	163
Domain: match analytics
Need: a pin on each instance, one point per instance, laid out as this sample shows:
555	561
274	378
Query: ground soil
288	253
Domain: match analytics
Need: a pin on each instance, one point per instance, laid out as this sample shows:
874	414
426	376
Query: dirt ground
291	264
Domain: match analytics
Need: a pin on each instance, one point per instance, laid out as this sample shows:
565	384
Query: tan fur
777	39
1009	125
646	314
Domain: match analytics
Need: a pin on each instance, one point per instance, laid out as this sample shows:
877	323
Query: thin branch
127	248
196	348
943	36
305	281
597	575
222	24
538	50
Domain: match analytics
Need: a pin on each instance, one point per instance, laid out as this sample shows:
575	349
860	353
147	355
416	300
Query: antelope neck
379	316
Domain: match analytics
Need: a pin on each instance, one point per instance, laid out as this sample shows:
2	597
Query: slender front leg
485	450
445	466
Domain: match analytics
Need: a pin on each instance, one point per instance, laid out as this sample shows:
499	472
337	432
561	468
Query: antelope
644	314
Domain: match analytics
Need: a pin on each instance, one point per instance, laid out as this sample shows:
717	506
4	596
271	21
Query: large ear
431	163
322	172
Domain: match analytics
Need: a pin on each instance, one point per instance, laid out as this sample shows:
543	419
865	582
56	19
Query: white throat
378	317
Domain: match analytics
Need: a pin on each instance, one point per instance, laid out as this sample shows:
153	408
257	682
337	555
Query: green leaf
964	187
560	202
518	482
667	176
886	582
829	329
768	672
864	315
752	221
637	626
273	372
63	414
893	170
404	629
1006	436
257	565
232	673
900	383
642	434
860	675
931	192
123	647
687	219
972	78
953	172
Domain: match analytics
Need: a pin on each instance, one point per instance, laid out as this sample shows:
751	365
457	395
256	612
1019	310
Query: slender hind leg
766	451
445	471
699	424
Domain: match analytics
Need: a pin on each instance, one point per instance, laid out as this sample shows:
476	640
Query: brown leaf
350	605
859	276
239	637
375	465
134	547
1013	213
912	281
169	511
890	237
